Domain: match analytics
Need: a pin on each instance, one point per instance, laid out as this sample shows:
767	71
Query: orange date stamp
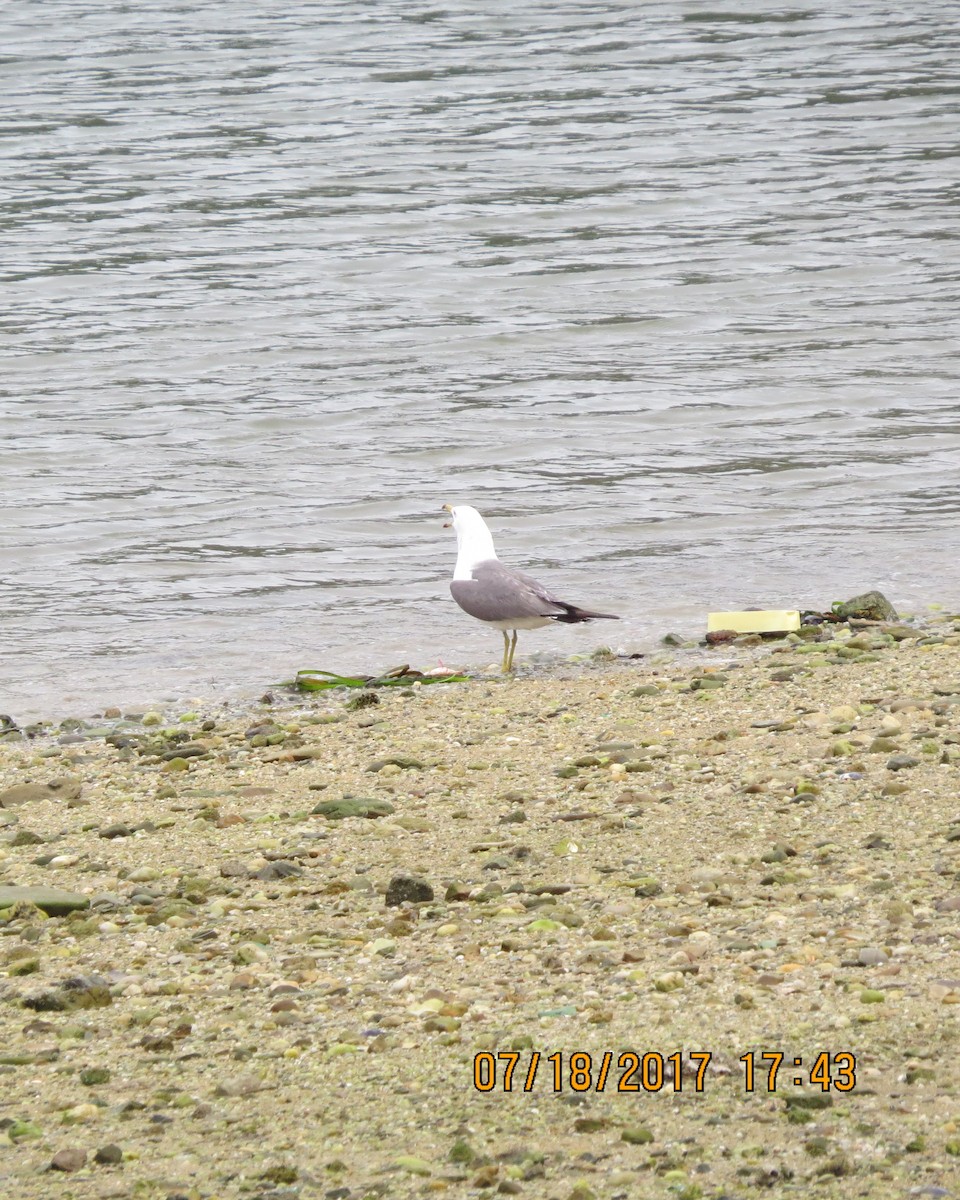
650	1071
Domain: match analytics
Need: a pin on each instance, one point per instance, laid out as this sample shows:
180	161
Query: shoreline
758	851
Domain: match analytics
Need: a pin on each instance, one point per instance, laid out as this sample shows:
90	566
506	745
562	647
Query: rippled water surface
669	292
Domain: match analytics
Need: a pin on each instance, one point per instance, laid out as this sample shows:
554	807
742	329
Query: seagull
500	596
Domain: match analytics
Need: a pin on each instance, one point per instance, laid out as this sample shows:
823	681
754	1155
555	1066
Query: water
669	292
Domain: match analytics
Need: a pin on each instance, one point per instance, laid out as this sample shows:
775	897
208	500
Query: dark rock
26	837
406	889
157	1043
109	1155
900	762
263	730
117	830
121	741
870	606
187	750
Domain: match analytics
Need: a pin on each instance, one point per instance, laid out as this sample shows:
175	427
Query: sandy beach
295	940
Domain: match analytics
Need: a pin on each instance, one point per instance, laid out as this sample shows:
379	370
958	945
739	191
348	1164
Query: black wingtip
572	615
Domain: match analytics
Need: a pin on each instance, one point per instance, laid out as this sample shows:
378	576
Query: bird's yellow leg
505	665
513	650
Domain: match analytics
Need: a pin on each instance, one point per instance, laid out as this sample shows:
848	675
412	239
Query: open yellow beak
447	508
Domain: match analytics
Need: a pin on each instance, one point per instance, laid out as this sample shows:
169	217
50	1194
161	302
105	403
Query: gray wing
497	593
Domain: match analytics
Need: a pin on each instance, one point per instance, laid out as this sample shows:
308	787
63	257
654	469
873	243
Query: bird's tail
572	615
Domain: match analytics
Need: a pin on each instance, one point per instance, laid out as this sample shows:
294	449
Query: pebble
407	889
53	901
68	1160
339	810
117	830
29	793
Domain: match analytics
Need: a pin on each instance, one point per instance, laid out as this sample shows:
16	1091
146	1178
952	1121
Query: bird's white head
474	540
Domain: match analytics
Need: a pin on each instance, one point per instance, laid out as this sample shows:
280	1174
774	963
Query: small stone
339	810
871	996
647	886
902	762
280	869
118	830
23	966
77	993
143	875
26	837
68	1160
707	683
240	1085
401	761
382	946
407	889
636	1135
26	793
54	901
413	1165
81	1114
23	1131
462	1152
94	1075
882	745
